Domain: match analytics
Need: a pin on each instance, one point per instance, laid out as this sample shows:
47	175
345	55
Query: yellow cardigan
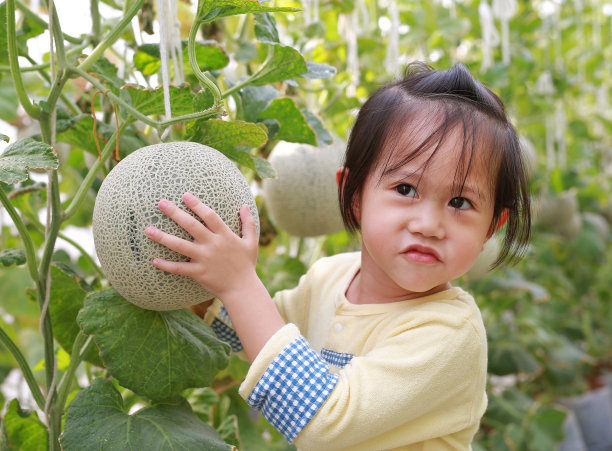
406	375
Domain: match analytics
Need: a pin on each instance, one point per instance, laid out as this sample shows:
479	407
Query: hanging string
392	63
347	28
176	44
169	47
544	87
560	126
504	10
490	36
579	9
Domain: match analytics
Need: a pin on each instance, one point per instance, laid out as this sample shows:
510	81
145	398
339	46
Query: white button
337	327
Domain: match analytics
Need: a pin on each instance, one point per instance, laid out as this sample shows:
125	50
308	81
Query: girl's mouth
422	254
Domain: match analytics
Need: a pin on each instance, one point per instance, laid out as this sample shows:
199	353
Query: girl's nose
428	221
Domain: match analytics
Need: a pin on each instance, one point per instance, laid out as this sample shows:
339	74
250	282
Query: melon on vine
485	259
127	203
303	198
560	213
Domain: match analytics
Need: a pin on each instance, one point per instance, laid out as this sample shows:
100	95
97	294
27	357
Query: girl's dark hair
393	119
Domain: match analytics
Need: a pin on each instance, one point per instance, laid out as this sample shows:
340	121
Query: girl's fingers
182	268
184	247
249	227
190	224
212	220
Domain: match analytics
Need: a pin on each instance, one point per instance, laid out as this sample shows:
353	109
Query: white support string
169	48
504	10
490	36
347	28
392	57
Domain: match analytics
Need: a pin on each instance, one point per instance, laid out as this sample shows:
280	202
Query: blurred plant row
301	76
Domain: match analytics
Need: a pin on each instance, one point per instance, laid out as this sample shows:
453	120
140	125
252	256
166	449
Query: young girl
376	350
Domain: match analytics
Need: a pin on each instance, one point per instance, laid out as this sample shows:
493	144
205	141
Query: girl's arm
224	264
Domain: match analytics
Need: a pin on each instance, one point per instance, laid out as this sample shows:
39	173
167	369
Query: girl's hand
220	260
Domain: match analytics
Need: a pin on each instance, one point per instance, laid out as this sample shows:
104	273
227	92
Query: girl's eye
406	190
460	203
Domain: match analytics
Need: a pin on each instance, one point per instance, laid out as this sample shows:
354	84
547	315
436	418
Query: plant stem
193	61
244	83
25	368
80	348
95	19
84	187
32	110
23	233
58	38
112	36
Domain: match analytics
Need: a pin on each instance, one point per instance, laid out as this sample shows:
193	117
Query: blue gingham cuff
223	329
293	388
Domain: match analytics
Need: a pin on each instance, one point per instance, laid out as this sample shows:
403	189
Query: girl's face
419	233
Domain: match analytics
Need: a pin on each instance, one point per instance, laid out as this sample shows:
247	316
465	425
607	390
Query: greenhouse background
303	70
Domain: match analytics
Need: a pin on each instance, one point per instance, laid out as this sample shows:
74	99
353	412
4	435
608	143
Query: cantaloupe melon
127	204
303	198
560	213
487	257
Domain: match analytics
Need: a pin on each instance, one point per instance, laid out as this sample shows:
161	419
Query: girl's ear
340	177
339	173
502	220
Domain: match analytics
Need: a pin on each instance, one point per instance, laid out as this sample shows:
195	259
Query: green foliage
173	350
97	419
275	72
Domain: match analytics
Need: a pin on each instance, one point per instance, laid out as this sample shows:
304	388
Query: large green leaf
234	139
151	101
284	63
97	420
155	354
209	10
294	126
67	294
25	154
10	257
24	429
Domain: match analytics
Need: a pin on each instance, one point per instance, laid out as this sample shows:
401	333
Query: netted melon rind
127	204
303	198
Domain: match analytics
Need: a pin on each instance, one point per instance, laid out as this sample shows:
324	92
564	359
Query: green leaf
265	28
151	101
24	429
284	63
508	358
209	54
319	70
23	155
209	10
8	100
10	257
155	354
324	138
256	99
97	420
234	139
78	132
4	138
67	294
294	126
107	73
